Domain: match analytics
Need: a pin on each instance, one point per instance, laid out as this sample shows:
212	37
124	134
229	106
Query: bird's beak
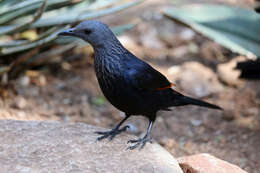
67	32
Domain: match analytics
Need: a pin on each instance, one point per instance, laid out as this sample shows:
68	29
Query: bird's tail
192	101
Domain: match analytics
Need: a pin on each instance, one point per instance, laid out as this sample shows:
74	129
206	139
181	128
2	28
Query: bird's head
94	32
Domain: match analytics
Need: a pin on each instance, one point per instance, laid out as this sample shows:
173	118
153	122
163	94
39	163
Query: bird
127	82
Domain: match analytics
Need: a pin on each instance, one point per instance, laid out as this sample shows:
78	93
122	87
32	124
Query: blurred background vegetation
210	49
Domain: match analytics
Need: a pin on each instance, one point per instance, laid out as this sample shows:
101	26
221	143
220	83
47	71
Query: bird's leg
115	131
142	141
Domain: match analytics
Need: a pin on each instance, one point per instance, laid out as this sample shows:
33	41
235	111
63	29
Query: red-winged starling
128	83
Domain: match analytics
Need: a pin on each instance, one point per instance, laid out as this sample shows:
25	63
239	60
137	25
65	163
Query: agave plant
30	25
233	27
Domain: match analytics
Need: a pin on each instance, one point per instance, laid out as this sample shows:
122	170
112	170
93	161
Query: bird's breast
113	85
108	73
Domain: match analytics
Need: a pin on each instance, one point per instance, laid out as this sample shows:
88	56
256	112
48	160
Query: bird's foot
140	142
111	133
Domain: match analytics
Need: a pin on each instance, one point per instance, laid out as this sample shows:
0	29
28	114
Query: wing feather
141	75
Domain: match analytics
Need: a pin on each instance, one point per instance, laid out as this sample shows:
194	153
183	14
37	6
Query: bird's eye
87	31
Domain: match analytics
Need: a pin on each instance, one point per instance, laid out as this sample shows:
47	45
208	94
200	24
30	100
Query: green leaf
28	7
99	101
12	8
10	16
45	56
36	43
25	25
235	28
15	43
66	18
71	15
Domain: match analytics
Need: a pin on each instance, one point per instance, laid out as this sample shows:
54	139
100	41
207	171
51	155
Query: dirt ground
69	92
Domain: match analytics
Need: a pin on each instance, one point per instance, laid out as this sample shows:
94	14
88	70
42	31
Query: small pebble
196	123
20	103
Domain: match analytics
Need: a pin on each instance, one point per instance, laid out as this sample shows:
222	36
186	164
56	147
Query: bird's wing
141	75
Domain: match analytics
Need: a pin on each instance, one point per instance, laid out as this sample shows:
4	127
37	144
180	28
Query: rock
187	34
206	163
167	31
150	39
196	123
168	143
212	51
183	50
195	79
228	74
131	45
20	103
72	148
228	115
24	81
180	51
15	114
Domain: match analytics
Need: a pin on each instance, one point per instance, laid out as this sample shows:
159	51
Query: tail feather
192	101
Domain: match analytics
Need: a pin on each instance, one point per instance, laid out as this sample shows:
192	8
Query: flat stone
30	146
201	163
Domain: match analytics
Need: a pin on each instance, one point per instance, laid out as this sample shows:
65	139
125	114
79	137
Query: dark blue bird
128	83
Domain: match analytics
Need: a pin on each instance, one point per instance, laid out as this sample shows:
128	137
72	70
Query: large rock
206	163
40	147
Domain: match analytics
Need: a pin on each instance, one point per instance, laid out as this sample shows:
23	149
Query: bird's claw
111	133
139	142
